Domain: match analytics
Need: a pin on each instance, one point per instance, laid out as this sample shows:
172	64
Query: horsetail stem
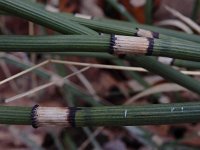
30	12
179	62
167	60
158	114
113	26
110	27
118	45
126	28
62	43
97	44
186	63
121	9
15	115
149	12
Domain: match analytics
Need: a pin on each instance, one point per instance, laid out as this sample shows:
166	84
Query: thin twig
74	63
93	135
24	72
175	23
10	58
187	20
86	83
99	65
94	142
43	86
139	69
25	138
167	87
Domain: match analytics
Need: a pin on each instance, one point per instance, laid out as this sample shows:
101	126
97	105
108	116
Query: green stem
175	49
15	115
187	64
177	146
54	43
86	43
138	115
153	114
121	9
112	26
30	12
100	25
148	11
126	28
167	72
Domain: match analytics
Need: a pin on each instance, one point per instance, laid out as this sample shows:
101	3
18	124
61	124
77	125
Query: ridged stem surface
86	43
36	14
121	9
109	25
158	114
57	43
176	49
15	115
187	64
138	115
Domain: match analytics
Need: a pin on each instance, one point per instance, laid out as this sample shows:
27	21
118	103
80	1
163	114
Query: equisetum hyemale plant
154	114
114	44
126	41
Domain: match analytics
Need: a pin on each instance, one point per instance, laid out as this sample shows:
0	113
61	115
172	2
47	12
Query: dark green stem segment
15	115
154	114
121	9
186	64
62	43
29	11
176	49
149	11
86	43
167	72
101	25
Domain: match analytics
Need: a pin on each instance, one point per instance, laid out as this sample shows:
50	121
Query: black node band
136	33
150	46
172	62
155	35
72	116
112	44
34	116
